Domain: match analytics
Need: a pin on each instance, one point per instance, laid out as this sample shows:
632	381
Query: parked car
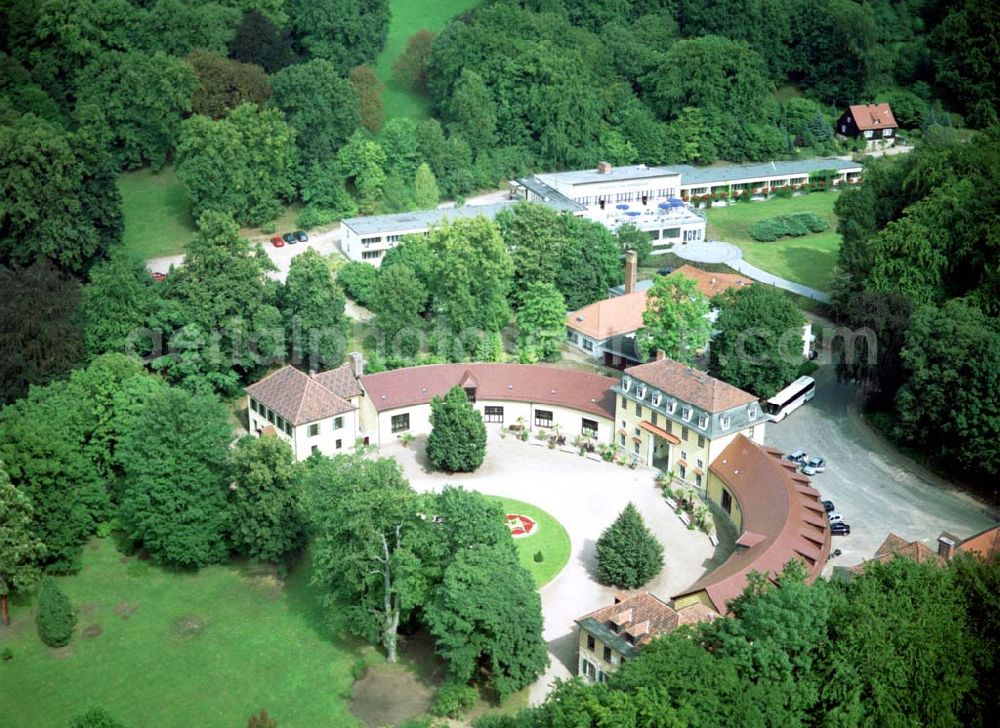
301	236
277	242
813	466
159	277
799	456
835	517
664	271
828	505
290	238
840	529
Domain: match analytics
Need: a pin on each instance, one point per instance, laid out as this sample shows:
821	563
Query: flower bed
521	526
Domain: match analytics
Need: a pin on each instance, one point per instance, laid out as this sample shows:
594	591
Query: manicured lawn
809	259
551	539
407	17
181	649
157	213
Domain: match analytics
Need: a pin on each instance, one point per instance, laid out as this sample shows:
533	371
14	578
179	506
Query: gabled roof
986	543
711	284
783	519
498	382
690	385
894	546
873	116
609	317
301	398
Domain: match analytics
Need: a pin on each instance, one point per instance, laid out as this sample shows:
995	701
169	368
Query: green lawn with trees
808	259
148	639
551	539
157	213
406	18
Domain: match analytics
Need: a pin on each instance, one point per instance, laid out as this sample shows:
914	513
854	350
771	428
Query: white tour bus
789	399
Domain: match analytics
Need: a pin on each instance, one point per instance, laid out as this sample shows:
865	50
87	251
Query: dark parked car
301	236
828	506
840	529
290	238
664	271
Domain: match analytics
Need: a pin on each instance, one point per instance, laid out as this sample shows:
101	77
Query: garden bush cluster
795	225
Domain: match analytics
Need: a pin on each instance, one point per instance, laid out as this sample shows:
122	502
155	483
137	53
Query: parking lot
870	484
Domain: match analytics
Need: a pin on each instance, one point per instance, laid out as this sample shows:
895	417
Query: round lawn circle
544	535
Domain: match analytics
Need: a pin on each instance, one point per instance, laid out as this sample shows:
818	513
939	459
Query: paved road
324	243
875	489
716	251
585	496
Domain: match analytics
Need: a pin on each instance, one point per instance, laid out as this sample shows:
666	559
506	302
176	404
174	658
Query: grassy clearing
175	648
407	17
157	213
809	259
551	539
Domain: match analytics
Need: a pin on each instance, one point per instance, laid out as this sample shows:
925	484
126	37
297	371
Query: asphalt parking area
869	483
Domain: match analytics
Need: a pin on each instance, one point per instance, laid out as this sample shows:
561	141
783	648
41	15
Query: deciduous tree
400	298
541	322
410	69
362	513
487	617
264	499
632	238
224	84
119	300
344	32
628	554
425	189
362	161
759	342
174	462
457	443
473	111
675	318
313	307
21	551
259	41
369	89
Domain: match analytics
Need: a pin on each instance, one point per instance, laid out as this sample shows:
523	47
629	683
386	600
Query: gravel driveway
585	496
875	489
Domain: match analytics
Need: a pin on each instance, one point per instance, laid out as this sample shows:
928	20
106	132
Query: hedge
795	225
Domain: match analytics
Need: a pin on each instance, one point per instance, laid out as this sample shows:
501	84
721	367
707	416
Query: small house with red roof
872	122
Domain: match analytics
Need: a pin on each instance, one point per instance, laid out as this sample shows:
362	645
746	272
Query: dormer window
702	422
672	407
686	413
725	421
626	383
656	399
640	391
752	412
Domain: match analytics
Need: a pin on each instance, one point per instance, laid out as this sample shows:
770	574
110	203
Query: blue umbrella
622	206
664	205
675	202
633	214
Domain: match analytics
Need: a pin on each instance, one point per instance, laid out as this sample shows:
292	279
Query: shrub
539	557
269	228
628	554
95	718
358	281
453	699
799	223
55	620
7	654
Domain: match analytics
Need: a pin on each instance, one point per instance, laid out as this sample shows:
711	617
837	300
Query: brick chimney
604	167
357	364
631	271
945	547
660	355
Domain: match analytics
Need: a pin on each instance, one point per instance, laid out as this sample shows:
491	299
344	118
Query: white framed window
725	421
672	407
314	429
868	134
640	391
588	345
684	455
702	422
626	383
338	422
752	412
686	413
656	399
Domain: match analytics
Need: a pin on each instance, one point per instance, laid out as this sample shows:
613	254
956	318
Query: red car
277	242
159	277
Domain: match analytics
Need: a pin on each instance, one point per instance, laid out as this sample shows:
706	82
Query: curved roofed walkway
716	251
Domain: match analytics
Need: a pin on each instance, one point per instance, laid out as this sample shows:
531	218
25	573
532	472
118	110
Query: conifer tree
628	554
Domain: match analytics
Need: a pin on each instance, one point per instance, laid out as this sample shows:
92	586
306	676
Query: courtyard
585	496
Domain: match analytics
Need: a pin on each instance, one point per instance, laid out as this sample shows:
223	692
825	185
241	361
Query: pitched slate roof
609	317
301	398
690	385
873	116
499	382
783	519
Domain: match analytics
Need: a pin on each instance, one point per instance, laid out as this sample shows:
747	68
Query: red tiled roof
894	546
301	398
643	612
609	317
986	543
694	613
873	116
690	385
783	519
711	284
500	382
